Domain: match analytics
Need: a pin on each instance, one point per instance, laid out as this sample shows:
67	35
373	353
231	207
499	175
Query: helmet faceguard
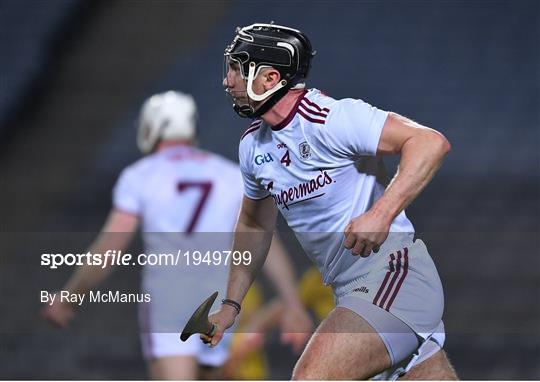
258	46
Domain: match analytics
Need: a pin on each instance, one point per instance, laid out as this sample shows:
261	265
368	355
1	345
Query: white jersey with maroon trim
181	189
187	200
319	166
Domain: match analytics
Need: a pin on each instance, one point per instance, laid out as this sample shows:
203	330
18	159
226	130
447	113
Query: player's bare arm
295	322
422	150
116	233
279	269
253	233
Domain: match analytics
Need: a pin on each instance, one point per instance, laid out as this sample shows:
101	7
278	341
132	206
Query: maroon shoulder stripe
254	126
248	131
311	103
310	118
291	114
256	122
405	270
311	111
393	281
386	277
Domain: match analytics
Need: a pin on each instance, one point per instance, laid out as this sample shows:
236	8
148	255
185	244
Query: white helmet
166	116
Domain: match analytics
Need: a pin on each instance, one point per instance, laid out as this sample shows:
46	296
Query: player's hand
365	234
296	327
223	318
59	313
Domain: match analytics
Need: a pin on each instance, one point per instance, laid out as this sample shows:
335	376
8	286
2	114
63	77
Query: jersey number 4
286	159
204	188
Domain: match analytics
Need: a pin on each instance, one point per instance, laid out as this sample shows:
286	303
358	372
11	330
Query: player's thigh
344	346
436	367
173	368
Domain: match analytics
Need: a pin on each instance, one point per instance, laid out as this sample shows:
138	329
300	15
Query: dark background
74	73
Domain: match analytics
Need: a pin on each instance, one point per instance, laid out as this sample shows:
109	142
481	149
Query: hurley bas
93	297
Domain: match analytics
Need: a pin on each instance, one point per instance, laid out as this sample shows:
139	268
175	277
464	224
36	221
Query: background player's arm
422	150
296	324
280	271
116	234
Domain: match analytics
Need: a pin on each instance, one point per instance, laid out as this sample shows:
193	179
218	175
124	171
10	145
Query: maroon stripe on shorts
393	281
383	285
405	270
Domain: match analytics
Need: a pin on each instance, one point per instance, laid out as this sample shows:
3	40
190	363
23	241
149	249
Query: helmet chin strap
266	94
272	96
248	111
244	111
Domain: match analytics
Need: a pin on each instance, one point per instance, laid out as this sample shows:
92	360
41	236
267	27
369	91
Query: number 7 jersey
187	201
320	168
181	189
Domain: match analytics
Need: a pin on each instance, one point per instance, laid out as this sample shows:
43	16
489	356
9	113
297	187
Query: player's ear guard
198	323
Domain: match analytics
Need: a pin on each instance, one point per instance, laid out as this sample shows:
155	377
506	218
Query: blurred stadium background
74	73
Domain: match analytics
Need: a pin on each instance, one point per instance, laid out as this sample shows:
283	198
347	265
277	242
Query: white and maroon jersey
320	168
187	200
180	189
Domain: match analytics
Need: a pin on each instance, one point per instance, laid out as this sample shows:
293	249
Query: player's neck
166	144
282	108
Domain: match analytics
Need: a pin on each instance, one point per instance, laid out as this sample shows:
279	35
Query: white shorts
168	344
401	297
175	294
159	345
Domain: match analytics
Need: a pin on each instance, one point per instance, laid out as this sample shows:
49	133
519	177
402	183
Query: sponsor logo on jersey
305	150
261	159
303	191
281	146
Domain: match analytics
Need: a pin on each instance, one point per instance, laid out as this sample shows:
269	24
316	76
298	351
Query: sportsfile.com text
113	257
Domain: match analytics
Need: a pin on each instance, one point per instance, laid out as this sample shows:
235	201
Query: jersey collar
291	114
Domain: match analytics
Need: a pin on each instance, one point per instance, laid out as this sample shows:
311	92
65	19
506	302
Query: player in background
177	188
323	173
